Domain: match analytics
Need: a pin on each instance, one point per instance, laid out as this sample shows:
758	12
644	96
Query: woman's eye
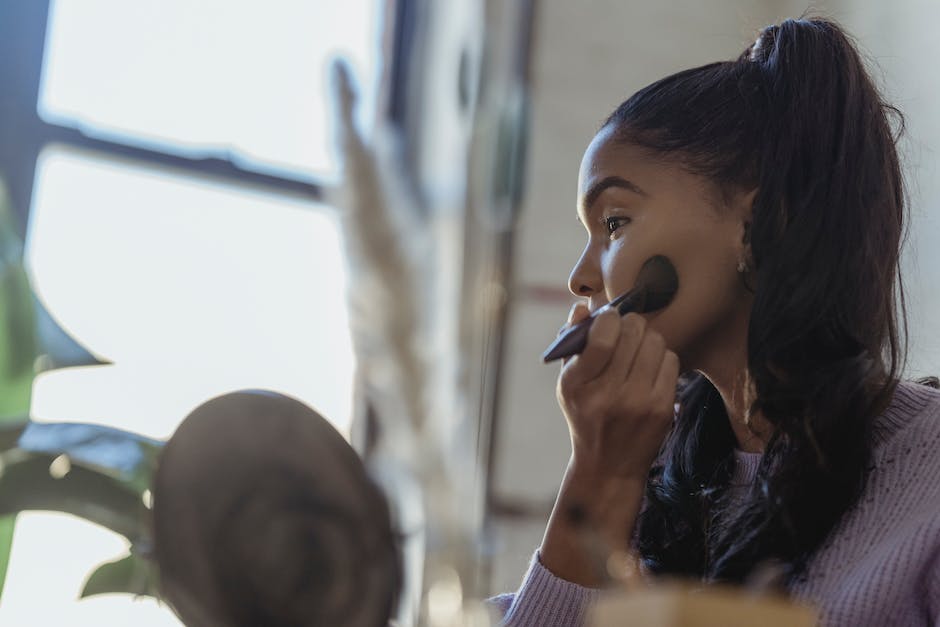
615	222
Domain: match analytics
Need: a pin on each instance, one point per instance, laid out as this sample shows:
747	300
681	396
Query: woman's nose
584	279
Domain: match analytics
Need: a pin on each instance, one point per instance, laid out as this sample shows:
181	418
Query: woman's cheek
620	269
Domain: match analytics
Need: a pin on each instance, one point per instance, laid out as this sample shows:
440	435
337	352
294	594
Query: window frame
23	134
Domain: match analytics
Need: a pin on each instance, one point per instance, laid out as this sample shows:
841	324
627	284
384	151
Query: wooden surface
677	605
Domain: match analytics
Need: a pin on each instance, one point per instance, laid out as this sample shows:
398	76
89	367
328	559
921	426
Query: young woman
772	182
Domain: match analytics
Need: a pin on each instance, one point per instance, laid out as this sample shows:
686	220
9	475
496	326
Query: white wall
901	41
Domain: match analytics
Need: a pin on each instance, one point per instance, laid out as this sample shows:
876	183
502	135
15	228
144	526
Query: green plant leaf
131	574
18	351
18	338
94	472
6	541
127	457
26	484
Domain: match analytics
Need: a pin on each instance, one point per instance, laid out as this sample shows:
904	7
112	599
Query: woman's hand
618	396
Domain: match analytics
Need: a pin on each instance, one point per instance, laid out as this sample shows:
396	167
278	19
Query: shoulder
886	546
911	422
906	462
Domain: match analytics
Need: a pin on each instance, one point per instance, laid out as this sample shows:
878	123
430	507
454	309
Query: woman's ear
744	205
743	208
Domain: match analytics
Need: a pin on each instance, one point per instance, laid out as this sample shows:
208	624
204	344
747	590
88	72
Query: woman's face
633	207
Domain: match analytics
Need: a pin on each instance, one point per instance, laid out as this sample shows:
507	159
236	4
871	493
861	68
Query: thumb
579	311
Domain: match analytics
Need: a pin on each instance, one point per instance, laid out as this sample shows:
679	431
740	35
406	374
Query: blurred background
171	176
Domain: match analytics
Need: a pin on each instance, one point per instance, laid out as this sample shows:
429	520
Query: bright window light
191	288
244	78
52	555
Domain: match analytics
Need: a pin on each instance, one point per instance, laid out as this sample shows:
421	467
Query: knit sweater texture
880	567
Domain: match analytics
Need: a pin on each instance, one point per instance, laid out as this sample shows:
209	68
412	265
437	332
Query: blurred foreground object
681	605
264	515
428	206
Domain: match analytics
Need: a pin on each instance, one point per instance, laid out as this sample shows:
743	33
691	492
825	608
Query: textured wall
901	41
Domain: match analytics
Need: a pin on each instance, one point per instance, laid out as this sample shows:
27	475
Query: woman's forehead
597	151
608	156
652	177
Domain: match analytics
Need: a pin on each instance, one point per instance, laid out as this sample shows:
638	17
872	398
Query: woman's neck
726	369
751	430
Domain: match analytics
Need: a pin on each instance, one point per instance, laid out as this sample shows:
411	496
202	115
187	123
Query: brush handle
574	339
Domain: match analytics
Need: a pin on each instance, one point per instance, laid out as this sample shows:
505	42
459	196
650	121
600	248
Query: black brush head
659	281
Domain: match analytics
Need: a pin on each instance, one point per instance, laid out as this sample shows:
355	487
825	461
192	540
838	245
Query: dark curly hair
798	118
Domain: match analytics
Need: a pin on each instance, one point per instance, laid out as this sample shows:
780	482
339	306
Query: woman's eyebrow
611	181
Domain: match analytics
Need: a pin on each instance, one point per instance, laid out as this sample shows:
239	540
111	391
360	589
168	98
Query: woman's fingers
625	367
578	312
649	358
632	330
602	340
618	394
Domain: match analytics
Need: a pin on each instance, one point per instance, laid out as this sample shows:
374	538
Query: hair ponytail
798	118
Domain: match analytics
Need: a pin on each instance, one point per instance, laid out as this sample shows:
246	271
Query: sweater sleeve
543	600
933	591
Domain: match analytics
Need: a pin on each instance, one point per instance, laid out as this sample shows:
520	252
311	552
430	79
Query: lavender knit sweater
881	565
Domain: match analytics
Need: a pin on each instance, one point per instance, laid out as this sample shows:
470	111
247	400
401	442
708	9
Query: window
241	79
174	231
191	288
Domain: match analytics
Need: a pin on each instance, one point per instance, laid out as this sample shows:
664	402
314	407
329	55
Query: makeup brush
654	288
